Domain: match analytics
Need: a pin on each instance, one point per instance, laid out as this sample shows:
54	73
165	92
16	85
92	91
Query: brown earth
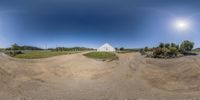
75	77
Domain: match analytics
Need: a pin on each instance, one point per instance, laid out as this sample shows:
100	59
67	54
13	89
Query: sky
91	23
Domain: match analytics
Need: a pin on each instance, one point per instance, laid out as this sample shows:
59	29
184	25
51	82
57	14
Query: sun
182	25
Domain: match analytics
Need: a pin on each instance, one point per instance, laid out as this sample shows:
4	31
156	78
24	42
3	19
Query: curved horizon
88	23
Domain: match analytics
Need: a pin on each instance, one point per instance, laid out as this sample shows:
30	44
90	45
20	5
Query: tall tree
186	46
15	47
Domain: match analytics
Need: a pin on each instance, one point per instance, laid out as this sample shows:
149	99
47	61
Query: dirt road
75	77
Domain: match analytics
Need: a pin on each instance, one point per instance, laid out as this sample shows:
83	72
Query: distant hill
70	49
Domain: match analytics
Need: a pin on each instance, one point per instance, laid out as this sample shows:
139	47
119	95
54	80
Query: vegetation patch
42	54
105	56
127	50
197	50
169	50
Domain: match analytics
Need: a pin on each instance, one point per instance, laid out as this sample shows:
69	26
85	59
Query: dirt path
75	77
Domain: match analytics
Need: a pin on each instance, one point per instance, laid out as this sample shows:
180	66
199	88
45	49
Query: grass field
43	54
196	51
102	55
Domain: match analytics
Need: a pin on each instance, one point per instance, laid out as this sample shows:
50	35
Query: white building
106	48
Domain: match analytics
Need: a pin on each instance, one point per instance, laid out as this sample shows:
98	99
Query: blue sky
90	23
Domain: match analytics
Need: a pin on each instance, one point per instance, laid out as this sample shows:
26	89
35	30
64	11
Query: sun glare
181	24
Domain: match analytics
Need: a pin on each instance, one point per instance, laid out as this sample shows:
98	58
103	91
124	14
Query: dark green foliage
186	46
174	45
15	47
167	45
14	53
146	49
121	49
161	45
129	50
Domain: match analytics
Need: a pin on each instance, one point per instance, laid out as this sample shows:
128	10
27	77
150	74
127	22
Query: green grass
101	55
196	51
42	54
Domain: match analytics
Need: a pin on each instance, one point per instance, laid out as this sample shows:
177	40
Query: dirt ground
75	77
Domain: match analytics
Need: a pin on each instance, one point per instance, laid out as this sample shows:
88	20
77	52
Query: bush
146	49
142	52
173	51
167	45
14	53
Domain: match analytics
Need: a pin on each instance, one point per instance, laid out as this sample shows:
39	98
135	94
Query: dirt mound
76	77
178	75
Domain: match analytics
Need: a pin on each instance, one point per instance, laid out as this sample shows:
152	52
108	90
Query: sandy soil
75	77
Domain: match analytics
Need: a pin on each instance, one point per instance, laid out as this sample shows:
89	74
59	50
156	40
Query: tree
161	45
167	45
174	45
15	47
146	49
121	49
186	46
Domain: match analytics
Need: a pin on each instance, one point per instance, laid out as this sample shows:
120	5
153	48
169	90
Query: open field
43	54
76	77
196	51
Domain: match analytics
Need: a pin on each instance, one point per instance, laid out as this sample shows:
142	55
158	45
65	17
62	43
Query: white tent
106	47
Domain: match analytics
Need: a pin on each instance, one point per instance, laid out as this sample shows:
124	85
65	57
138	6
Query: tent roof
107	45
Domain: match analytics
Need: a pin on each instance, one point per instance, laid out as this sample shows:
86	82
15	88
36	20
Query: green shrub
173	51
14	53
